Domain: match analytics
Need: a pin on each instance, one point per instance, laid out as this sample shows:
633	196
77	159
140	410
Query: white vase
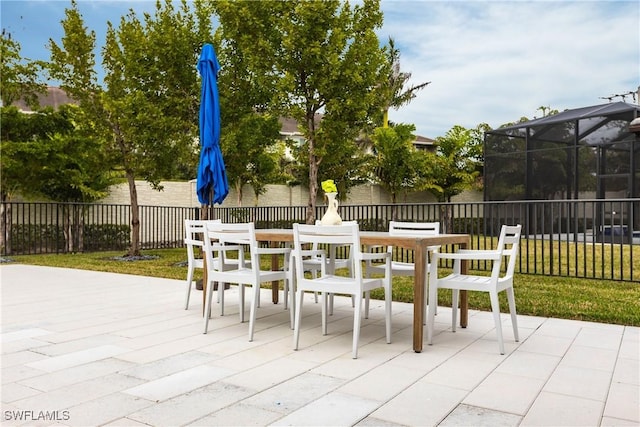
331	216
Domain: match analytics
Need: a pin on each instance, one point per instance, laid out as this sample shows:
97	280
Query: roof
289	127
55	97
610	109
605	124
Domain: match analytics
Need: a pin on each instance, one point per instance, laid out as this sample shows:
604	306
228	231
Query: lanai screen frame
577	154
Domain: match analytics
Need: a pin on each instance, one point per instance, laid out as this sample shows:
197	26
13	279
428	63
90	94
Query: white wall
183	194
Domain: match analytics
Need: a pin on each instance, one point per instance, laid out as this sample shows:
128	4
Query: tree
250	132
454	166
310	58
392	89
247	146
147	110
330	60
46	155
18	77
398	163
348	165
64	165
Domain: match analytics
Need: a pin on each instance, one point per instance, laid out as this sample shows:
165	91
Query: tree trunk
134	249
445	214
5	226
79	218
394	207
314	165
66	228
239	191
313	189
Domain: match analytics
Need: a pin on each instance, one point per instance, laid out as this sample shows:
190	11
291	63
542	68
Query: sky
488	61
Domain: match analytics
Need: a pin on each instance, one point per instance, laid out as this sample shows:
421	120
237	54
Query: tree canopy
312	60
147	109
19	77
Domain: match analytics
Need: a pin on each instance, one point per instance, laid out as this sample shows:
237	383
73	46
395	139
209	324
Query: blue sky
488	61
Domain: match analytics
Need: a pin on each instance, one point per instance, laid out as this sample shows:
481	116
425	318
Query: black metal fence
591	239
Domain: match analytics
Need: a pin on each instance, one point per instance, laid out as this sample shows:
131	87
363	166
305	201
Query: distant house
55	97
290	130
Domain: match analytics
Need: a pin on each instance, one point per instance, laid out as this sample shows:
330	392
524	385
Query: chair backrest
400	228
319	224
236	234
316	235
194	230
509	245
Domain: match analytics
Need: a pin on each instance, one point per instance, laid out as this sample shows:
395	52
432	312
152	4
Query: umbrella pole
204	214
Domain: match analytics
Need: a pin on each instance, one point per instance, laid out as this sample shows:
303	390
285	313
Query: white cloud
488	61
494	62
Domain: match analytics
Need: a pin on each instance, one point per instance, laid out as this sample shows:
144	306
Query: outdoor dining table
419	247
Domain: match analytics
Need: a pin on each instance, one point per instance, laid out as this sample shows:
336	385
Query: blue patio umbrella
212	183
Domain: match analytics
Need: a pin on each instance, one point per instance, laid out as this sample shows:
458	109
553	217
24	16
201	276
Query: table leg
464	309
419	258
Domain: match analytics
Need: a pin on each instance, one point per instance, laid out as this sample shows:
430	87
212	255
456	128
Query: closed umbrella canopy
212	186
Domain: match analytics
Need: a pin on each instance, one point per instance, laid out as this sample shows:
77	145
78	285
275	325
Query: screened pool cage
585	153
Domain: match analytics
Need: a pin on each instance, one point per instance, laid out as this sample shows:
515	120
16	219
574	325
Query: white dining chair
194	230
401	268
194	241
327	283
223	238
312	264
501	279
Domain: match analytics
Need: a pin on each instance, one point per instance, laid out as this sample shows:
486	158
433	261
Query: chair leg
298	318
388	304
495	308
357	320
425	292
221	297
323	298
455	293
512	309
427	300
285	293
432	300
254	307
367	294
290	296
331	304
241	302
189	284
314	275
207	307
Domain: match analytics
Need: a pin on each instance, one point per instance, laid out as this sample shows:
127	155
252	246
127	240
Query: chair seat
315	263
247	275
464	282
471	283
398	268
336	284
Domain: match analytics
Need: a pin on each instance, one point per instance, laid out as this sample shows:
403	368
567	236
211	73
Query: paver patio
84	348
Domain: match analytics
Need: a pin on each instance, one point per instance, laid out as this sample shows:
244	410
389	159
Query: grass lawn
602	301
